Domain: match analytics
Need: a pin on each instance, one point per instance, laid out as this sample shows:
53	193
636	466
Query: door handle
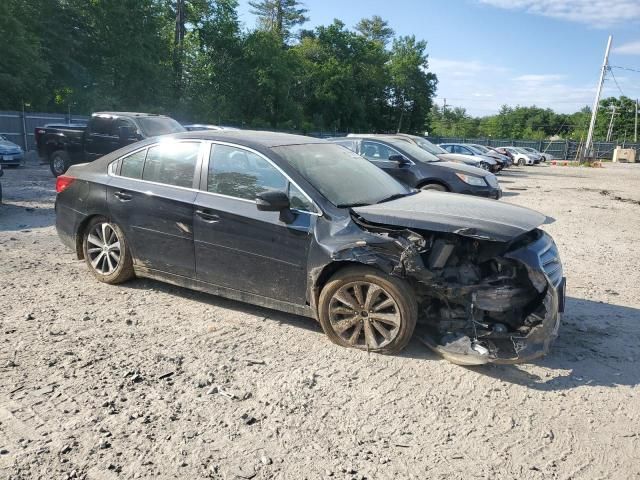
207	216
123	196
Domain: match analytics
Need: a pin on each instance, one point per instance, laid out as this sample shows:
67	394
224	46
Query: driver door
379	154
240	247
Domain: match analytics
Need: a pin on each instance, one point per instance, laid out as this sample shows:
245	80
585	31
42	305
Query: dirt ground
147	380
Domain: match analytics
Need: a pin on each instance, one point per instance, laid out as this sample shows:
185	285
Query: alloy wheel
364	315
103	248
58	165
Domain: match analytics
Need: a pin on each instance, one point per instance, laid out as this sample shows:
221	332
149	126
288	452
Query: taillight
63	182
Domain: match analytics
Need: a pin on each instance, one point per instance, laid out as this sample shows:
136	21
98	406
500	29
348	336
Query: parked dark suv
306	226
66	145
417	168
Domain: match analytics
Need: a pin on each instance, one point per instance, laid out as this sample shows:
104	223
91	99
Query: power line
624	68
616	82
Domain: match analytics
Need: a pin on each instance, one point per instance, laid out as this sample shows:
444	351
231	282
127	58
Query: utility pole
594	111
635	135
610	129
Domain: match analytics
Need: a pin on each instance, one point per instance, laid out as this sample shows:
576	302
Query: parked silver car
10	153
544	156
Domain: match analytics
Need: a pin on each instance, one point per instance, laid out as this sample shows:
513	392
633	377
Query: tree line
194	60
534	123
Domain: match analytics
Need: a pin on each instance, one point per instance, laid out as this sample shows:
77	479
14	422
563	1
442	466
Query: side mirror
400	159
275	201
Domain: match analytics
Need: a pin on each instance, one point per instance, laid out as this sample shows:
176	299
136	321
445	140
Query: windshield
474	149
413	151
343	177
154	126
521	150
482	148
429	147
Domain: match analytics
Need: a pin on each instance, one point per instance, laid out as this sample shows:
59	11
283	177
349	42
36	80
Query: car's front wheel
106	251
522	162
365	309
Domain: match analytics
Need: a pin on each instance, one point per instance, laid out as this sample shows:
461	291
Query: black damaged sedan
308	227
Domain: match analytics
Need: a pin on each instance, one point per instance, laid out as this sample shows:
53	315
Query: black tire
59	162
403	308
434	186
522	162
103	268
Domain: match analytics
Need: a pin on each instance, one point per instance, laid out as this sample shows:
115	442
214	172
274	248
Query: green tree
412	86
375	29
279	16
22	68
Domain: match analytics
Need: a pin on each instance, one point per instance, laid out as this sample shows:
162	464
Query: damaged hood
454	213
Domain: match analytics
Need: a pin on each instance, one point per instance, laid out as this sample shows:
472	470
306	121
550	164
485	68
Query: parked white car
544	157
522	157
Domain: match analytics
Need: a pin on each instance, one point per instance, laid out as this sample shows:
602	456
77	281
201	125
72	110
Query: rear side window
133	164
172	163
239	173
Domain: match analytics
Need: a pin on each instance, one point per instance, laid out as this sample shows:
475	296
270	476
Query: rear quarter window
132	165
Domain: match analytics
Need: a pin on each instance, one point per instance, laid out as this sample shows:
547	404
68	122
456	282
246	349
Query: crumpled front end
480	301
509	319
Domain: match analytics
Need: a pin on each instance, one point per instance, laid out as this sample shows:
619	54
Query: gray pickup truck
65	145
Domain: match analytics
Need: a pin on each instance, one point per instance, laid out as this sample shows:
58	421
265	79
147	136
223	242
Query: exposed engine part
440	253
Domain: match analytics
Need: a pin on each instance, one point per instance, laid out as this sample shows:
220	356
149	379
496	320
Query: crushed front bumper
545	272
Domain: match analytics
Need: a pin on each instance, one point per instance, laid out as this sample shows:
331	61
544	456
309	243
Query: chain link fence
560	149
19	127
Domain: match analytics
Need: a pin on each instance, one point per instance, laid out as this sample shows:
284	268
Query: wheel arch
80	231
328	271
437	181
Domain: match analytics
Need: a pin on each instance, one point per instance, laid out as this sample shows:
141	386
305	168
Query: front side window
236	172
100	125
133	164
154	126
377	151
123	122
172	163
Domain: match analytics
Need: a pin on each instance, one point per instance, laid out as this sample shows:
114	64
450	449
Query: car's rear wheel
59	162
434	186
106	251
365	309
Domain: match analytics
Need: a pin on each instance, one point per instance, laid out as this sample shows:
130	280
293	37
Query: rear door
240	247
151	197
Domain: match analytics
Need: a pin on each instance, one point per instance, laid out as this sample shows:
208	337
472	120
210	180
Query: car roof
126	114
250	138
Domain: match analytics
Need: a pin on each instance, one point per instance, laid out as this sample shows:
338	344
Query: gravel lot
147	380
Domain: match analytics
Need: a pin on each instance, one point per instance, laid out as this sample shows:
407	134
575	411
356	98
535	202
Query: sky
487	53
